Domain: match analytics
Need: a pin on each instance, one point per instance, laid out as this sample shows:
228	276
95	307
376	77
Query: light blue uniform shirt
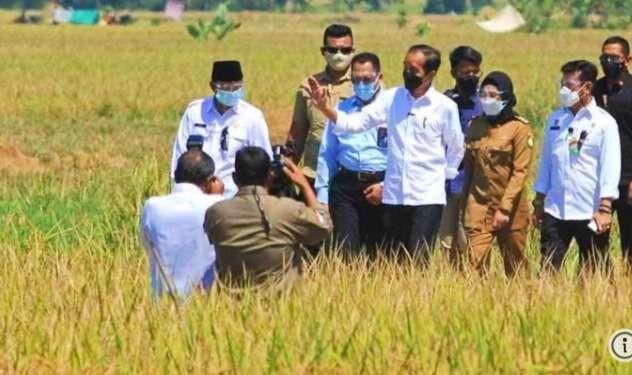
353	151
173	234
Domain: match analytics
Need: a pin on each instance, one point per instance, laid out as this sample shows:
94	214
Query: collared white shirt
224	135
172	229
425	143
575	182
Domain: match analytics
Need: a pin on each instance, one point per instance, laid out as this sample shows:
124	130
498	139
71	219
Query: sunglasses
343	50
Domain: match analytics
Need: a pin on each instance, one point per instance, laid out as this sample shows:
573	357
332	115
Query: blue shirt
353	151
468	109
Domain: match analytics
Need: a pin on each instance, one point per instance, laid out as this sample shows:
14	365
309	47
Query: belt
362	176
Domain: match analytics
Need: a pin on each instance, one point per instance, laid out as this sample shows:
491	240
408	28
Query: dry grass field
87	118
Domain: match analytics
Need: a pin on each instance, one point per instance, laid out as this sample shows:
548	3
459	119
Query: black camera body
195	141
281	186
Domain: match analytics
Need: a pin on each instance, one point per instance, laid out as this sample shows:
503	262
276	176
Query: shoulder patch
530	141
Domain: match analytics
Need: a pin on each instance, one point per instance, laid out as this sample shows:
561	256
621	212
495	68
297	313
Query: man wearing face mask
497	159
351	166
614	93
579	174
465	62
308	123
225	121
425	148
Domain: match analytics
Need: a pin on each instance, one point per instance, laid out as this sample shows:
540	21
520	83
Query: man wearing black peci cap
225	121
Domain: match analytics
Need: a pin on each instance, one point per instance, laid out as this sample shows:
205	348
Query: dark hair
336	31
433	56
587	70
195	167
364	57
252	165
620	41
465	53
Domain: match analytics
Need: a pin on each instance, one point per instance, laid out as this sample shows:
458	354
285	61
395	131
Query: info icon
621	345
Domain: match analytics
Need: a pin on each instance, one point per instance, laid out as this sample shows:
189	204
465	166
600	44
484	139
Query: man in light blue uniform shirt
578	177
180	255
351	166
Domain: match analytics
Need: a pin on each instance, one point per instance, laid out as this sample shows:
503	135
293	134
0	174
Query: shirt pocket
237	139
500	153
591	146
426	129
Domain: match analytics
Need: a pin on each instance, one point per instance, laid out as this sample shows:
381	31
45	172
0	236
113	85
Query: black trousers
624	216
356	221
414	227
556	237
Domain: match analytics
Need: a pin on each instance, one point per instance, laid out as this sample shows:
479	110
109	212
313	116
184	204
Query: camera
281	185
195	141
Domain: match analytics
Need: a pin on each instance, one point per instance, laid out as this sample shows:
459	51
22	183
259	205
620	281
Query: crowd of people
394	170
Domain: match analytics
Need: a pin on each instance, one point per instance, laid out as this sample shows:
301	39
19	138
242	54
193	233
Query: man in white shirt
425	147
579	174
226	122
180	254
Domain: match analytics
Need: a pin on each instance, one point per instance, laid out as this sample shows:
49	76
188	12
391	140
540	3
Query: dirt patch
14	161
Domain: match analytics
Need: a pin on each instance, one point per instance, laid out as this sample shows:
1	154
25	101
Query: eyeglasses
228	86
489	94
605	58
367	79
343	50
571	84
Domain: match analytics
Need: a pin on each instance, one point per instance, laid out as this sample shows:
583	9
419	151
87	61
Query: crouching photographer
257	235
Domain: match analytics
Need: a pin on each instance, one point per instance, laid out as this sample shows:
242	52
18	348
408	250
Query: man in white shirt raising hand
425	148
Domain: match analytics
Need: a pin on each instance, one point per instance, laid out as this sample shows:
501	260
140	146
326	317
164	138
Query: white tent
507	20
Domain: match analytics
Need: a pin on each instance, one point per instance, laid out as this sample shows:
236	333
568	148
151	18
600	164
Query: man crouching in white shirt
425	147
579	173
180	254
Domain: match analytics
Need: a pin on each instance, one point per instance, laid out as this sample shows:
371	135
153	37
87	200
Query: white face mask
338	61
492	107
568	97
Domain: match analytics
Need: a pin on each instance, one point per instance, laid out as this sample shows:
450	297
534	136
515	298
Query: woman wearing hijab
499	148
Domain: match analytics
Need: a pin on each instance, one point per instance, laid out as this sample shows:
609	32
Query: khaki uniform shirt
497	162
310	121
246	248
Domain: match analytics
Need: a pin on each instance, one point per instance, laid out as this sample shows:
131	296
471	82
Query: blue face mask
365	91
229	98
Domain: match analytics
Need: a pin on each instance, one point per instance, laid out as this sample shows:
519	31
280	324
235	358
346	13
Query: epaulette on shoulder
522	119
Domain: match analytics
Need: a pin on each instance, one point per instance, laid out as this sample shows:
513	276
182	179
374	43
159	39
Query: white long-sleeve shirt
425	143
574	184
224	135
172	229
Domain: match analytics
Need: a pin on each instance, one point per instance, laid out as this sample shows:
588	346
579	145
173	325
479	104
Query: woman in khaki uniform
499	148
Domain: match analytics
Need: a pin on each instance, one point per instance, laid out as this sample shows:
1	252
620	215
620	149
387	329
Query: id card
382	137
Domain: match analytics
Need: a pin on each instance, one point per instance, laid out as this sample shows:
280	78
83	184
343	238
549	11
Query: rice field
87	119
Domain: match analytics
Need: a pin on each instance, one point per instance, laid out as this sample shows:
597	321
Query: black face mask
468	84
411	80
612	69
